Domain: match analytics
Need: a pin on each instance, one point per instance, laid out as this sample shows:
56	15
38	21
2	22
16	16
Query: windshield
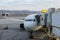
29	19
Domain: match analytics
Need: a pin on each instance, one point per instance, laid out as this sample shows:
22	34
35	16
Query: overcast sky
34	5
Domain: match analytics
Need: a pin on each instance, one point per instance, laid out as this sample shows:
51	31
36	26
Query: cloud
21	2
29	0
28	4
6	1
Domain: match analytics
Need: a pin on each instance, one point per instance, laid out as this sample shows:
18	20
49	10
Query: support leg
31	36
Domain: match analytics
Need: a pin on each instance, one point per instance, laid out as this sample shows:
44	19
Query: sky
33	5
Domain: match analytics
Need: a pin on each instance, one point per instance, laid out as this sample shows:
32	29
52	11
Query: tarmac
19	34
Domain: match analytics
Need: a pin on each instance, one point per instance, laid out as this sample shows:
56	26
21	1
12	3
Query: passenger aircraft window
30	20
34	20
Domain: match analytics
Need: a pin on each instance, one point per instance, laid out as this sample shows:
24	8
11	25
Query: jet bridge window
30	20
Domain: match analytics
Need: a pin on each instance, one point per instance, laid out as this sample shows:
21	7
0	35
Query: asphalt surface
18	34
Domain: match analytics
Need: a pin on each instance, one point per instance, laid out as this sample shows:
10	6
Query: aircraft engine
22	26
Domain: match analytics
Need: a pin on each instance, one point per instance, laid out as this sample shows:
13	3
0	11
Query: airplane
33	22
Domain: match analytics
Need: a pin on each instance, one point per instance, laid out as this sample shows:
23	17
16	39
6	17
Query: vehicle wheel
31	37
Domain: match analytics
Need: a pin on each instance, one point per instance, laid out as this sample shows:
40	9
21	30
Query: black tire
31	37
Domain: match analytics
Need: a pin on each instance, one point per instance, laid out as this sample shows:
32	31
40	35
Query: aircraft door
38	19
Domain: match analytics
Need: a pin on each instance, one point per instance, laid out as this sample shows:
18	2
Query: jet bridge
56	24
52	21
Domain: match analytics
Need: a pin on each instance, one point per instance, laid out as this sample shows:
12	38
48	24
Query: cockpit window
29	19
